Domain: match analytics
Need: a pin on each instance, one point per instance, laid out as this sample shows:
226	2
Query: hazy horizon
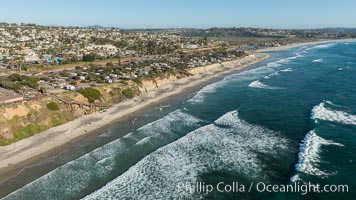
140	14
152	28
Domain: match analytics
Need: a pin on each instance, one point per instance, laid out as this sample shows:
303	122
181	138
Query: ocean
290	119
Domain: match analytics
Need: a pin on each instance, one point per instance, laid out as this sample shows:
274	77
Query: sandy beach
13	155
299	44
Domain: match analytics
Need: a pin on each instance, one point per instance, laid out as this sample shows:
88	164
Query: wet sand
300	44
16	156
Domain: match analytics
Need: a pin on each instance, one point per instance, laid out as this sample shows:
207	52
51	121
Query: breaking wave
246	75
308	156
74	177
287	70
260	85
321	46
201	94
274	74
277	73
310	148
284	60
321	112
228	144
343	68
317	60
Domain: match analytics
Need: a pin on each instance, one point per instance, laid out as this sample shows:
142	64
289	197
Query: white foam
343	68
273	64
277	73
295	178
211	88
286	70
298	54
321	46
320	112
317	60
230	144
75	176
267	77
201	94
242	76
308	156
260	85
270	75
252	73
279	63
269	68
257	84
274	74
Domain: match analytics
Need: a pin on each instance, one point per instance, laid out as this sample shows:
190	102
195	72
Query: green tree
151	47
53	106
128	93
74	59
89	57
43	90
91	94
205	40
109	64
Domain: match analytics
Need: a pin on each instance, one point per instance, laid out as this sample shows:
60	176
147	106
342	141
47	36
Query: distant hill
96	27
340	29
100	27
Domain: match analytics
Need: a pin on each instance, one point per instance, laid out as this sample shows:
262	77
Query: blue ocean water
290	119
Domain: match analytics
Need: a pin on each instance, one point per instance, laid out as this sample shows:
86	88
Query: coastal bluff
57	127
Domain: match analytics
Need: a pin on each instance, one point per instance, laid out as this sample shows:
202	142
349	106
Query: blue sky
183	13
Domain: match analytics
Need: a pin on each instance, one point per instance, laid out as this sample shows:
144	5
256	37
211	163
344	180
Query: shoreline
28	152
299	44
14	157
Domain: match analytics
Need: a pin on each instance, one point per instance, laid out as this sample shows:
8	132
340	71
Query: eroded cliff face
22	120
209	68
149	85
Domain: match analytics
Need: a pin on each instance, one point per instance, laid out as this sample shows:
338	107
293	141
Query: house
69	87
113	75
32	59
73	75
47	57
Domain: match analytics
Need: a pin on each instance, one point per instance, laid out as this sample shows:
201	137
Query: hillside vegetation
22	120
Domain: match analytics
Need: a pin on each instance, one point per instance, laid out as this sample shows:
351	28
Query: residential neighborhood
95	56
28	44
36	59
